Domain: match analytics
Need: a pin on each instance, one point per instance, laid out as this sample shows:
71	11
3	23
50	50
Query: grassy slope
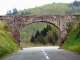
7	45
73	40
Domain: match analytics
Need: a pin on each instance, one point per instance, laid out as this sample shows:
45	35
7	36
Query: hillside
49	9
7	45
73	40
53	9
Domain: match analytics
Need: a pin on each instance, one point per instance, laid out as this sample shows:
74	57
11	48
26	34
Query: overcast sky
25	4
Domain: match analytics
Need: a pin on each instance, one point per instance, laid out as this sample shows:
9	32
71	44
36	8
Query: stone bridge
16	23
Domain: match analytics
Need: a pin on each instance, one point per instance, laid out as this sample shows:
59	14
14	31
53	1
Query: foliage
73	41
75	3
28	33
9	13
32	39
4	26
70	25
50	9
53	9
7	45
37	34
23	35
46	36
14	12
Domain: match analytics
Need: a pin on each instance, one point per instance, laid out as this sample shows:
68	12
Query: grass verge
7	44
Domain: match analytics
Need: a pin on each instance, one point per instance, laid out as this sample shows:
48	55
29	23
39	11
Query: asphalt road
43	53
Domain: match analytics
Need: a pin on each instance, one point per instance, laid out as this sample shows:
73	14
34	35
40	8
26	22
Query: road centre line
45	54
47	57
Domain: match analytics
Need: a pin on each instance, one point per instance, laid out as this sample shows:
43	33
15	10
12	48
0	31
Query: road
43	53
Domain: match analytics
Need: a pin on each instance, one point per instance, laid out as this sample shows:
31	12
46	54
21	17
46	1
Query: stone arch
42	21
16	23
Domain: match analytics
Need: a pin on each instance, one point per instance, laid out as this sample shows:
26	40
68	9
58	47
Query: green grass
7	45
73	40
73	43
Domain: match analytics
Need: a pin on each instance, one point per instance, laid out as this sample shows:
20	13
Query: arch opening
27	33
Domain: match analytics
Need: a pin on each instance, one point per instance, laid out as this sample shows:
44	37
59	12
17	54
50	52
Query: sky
6	5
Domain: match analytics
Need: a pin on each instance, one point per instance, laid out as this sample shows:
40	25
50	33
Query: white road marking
47	57
45	54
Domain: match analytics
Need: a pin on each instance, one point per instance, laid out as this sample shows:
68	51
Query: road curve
43	53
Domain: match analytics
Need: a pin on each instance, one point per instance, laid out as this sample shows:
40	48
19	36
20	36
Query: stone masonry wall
16	23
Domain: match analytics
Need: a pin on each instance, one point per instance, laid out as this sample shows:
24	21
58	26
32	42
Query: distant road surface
43	53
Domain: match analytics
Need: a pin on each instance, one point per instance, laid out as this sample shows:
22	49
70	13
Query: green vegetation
31	30
73	40
70	26
47	36
7	45
50	9
27	32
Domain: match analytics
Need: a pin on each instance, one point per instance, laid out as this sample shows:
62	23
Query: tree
37	34
51	40
46	36
48	27
32	39
70	26
55	35
9	13
15	11
27	13
21	13
44	31
79	9
76	3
